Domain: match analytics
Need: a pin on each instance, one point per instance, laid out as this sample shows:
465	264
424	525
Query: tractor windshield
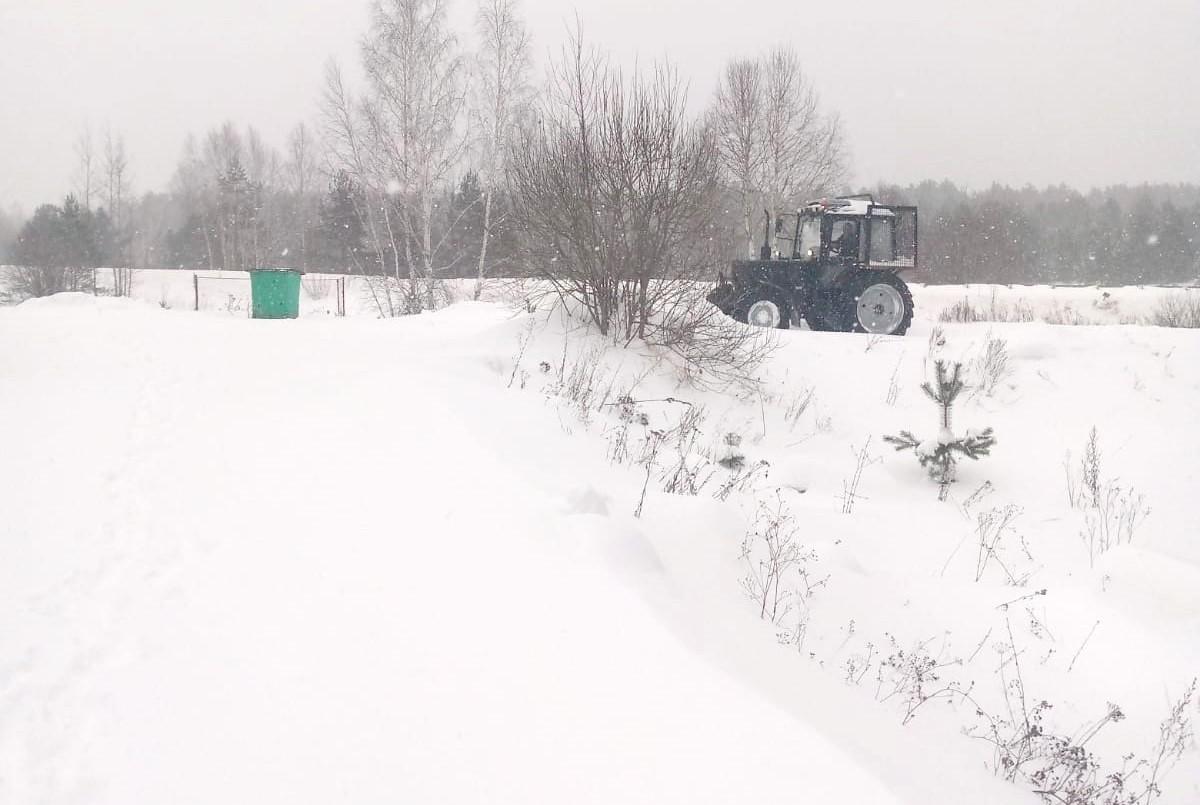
785	235
809	247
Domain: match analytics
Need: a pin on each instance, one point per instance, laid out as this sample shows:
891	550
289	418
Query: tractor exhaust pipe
765	252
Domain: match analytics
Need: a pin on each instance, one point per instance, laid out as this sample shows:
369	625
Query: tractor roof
847	206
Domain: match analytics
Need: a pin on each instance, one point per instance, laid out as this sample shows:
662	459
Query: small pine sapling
938	455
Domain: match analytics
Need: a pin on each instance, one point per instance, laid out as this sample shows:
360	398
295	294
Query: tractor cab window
810	238
882	243
894	238
844	239
785	235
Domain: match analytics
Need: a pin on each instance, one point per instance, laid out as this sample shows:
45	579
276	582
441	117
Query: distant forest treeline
1146	234
1121	235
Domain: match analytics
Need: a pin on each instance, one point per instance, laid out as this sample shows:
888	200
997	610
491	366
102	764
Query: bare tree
191	185
737	122
235	180
265	227
614	193
116	174
302	177
401	141
777	147
224	184
502	85
803	148
85	156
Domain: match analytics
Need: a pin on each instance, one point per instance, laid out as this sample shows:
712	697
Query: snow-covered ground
229	292
359	560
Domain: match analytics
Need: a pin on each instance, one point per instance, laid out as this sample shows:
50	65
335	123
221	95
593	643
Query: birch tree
804	153
778	148
191	185
115	170
85	162
502	97
737	123
402	139
302	177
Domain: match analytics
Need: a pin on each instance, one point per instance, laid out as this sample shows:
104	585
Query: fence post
196	290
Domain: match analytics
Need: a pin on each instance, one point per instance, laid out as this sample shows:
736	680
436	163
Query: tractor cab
834	262
850	231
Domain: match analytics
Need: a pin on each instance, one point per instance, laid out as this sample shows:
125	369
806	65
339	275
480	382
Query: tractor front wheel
765	311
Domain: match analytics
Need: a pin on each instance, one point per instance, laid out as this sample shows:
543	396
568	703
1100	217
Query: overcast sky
1086	92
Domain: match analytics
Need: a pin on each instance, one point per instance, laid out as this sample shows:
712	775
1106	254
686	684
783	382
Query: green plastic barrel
275	293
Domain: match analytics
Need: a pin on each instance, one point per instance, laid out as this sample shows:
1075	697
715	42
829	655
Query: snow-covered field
229	292
360	560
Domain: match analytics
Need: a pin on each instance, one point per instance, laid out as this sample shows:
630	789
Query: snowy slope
343	560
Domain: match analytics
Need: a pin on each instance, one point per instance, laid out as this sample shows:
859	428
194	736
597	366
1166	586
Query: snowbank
377	561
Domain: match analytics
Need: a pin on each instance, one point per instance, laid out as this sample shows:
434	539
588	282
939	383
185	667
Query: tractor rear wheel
882	304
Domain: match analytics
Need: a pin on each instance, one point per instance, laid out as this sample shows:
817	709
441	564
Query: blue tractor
835	263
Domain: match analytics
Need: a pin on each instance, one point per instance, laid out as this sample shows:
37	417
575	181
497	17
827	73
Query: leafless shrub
1111	511
1177	310
713	350
1082	646
1114	520
522	345
991	528
1089	473
964	312
771	554
914	677
1175	736
1065	314
797	405
741	479
629	416
1060	767
893	392
961	311
612	187
689	470
856	666
863	459
991	366
937	340
587	384
653	441
614	193
35	281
